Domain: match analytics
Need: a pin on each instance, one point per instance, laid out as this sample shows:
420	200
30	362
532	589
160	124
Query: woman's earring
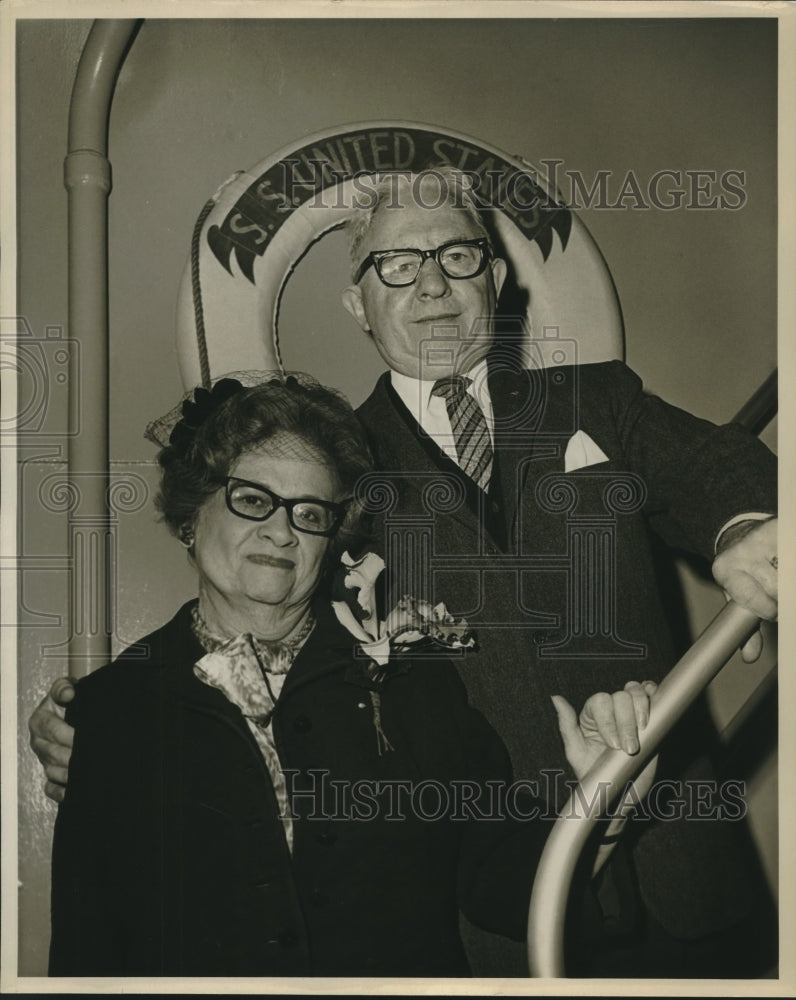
186	536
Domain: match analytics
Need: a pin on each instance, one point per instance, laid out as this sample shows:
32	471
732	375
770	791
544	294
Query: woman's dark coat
170	858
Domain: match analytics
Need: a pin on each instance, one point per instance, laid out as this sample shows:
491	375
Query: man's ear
499	270
352	300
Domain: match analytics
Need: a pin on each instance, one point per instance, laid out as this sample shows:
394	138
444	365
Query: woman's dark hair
204	448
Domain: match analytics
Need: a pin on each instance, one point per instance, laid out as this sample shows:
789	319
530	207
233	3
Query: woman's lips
263	560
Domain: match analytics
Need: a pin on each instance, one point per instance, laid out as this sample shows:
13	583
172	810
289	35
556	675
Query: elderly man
558	476
552	479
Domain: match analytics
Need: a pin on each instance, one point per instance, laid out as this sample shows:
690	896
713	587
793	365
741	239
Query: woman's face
253	563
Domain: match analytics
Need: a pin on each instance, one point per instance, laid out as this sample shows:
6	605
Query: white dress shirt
431	412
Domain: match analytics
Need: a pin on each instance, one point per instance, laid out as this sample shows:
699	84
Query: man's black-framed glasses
456	258
256	503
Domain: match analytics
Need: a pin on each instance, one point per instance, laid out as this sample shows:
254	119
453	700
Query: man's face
439	325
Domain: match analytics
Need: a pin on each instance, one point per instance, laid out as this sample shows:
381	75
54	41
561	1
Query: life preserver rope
196	293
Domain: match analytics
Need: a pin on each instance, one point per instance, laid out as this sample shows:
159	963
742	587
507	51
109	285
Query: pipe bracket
87	168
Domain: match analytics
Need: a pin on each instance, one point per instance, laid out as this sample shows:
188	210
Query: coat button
318	898
327	838
287	939
547	638
301	724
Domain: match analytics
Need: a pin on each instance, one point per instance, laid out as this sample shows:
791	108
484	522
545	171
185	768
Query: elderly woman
288	805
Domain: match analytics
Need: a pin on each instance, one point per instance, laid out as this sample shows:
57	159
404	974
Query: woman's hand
607	720
51	737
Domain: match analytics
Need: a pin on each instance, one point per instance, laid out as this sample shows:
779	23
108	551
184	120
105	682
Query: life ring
261	221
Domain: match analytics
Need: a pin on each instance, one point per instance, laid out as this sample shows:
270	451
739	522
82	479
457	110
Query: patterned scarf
250	672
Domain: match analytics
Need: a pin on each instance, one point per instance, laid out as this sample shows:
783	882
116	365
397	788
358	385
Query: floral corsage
358	603
357	599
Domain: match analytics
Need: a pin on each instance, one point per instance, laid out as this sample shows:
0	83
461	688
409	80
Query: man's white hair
454	189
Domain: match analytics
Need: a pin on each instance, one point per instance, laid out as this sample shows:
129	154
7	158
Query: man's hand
746	569
51	738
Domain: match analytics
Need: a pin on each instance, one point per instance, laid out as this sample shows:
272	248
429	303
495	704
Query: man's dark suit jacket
178	864
555	572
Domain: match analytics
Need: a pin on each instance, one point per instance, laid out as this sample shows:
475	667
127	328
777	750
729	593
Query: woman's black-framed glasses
256	503
456	258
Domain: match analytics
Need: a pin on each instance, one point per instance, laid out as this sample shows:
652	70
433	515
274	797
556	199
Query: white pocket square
582	452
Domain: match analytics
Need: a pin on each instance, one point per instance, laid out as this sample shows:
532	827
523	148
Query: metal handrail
612	771
761	407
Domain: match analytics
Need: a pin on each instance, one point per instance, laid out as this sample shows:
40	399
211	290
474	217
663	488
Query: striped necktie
470	432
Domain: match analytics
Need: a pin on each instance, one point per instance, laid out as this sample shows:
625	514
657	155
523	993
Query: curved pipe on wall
87	176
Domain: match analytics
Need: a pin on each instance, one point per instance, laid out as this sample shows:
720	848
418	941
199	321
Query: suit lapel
411	460
534	411
329	649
